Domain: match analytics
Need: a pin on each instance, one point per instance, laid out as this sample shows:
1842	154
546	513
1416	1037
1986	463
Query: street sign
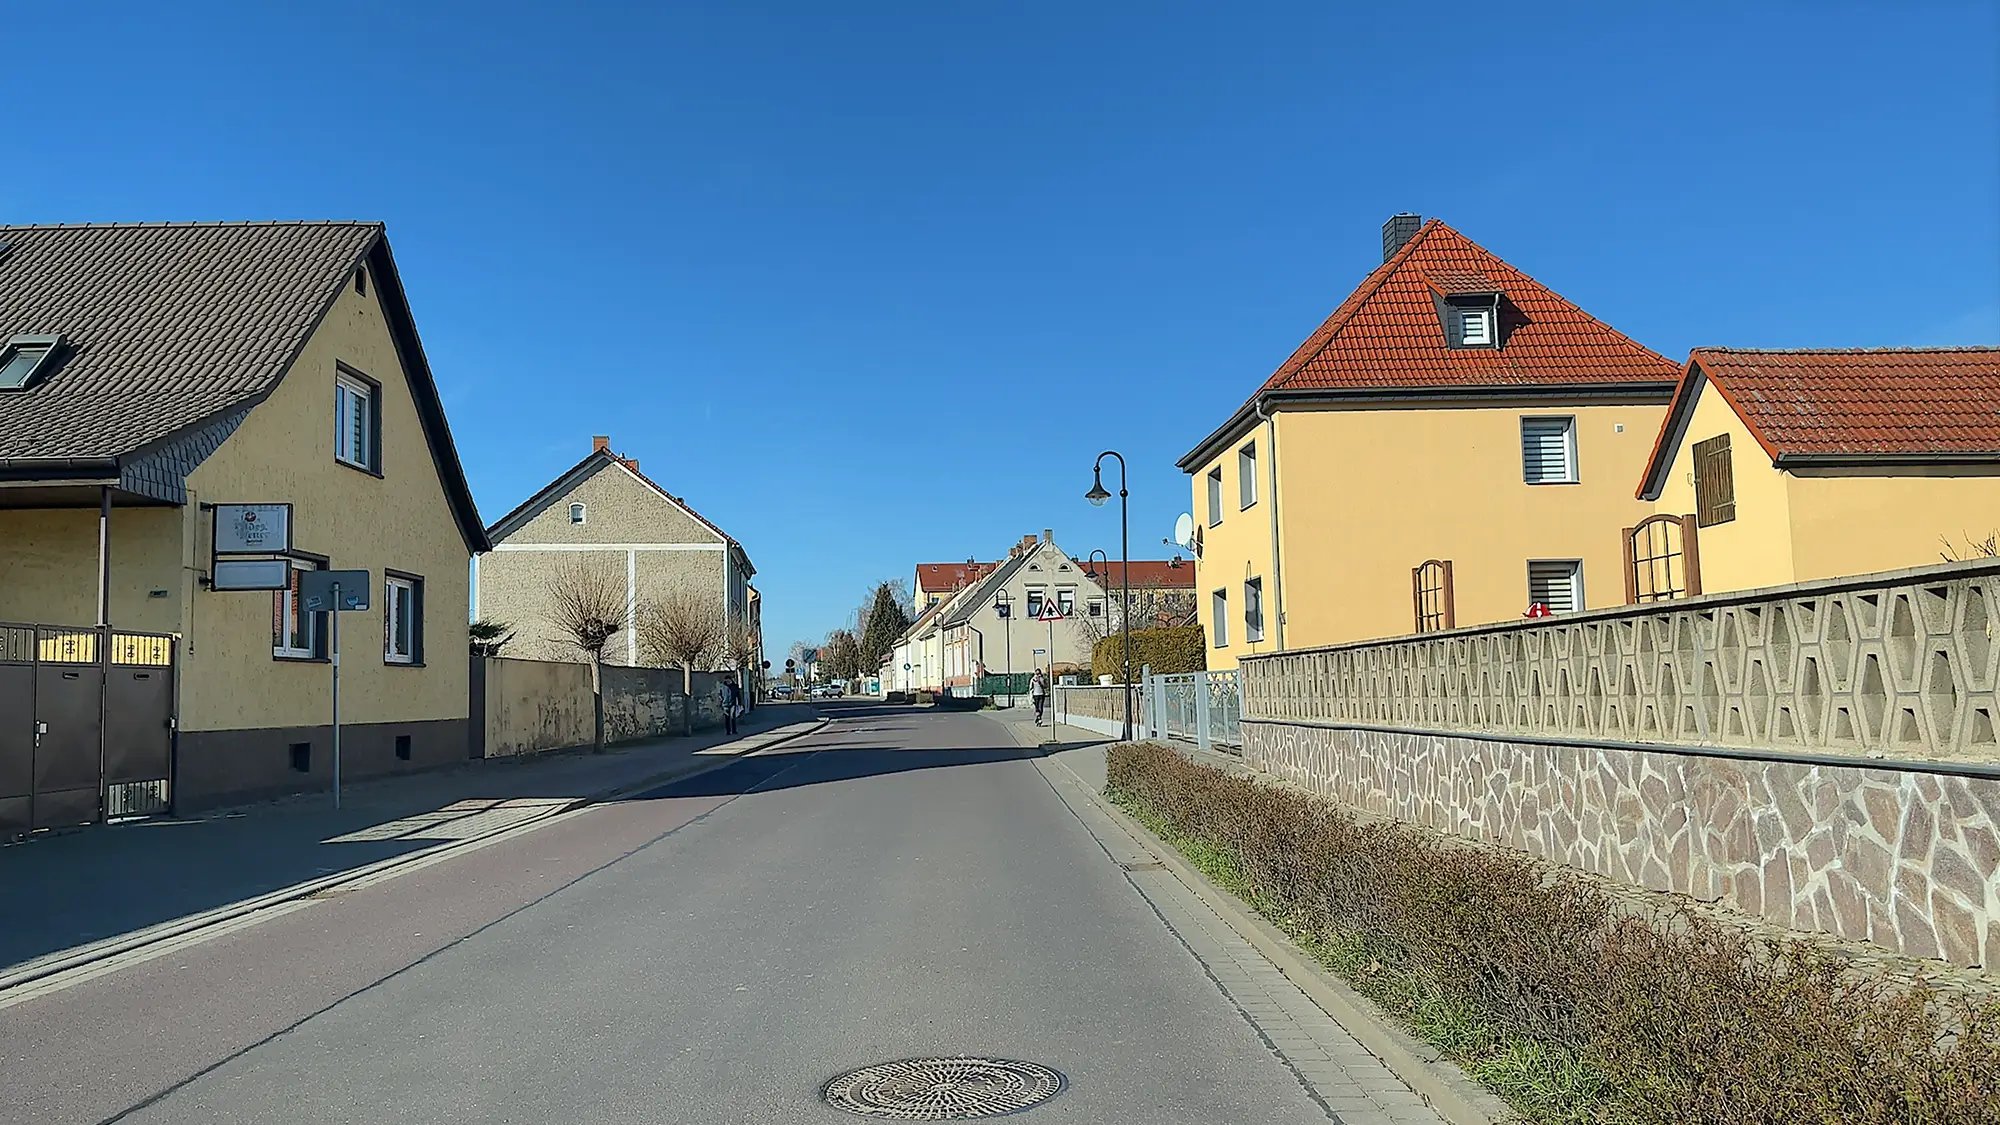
316	589
250	574
252	529
1051	611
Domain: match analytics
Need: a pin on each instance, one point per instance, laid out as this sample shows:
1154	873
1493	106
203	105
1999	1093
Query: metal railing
1205	708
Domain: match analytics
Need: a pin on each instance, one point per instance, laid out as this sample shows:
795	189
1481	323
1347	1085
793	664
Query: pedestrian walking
732	705
1038	691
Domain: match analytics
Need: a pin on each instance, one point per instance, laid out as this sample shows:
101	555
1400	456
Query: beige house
149	372
604	515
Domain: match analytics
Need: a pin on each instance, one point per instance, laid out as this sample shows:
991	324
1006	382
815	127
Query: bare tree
681	631
588	607
1974	549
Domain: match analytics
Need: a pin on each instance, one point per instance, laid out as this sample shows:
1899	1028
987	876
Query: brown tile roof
165	324
1883	403
1145	573
1386	334
938	577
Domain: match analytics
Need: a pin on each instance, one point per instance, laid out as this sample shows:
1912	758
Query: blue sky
817	265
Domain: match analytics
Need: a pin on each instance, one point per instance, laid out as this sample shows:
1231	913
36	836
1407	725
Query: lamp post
1097	496
1004	606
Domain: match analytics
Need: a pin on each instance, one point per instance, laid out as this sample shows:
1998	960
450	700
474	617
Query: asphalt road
903	884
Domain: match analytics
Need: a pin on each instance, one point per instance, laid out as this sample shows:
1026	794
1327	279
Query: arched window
576	512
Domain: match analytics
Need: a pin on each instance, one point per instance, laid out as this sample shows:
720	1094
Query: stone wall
536	705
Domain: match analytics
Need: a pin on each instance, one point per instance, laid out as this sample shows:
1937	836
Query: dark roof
168	326
1828	404
1385	339
598	460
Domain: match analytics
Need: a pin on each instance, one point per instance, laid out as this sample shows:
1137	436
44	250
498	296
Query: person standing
1038	692
732	702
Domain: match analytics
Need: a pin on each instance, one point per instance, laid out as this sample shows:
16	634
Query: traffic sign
1051	611
316	589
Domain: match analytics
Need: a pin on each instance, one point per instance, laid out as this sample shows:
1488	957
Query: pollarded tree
681	631
588	607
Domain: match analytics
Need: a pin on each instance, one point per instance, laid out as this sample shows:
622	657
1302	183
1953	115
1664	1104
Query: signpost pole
335	616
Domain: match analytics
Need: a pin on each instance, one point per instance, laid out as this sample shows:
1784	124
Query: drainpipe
103	555
1277	562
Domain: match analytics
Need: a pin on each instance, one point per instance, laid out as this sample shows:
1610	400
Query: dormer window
1475	327
23	358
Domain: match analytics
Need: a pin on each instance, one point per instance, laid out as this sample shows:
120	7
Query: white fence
1205	708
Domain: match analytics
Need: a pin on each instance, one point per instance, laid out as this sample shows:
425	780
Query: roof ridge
1349	305
1914	350
160	224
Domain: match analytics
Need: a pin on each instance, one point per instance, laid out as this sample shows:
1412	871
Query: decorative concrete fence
1822	755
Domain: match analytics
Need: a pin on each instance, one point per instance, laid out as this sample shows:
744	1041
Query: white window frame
347	391
1218	614
1095	607
286	612
1034	599
1481	317
1246	476
1215	497
1066	602
1570	473
398	590
1575	566
1253	610
579	513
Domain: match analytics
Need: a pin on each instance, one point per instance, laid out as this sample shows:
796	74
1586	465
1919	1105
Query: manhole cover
954	1089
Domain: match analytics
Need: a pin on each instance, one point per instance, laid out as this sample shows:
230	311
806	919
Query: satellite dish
1194	548
1184	530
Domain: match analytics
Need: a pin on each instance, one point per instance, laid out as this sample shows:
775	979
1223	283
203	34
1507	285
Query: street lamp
1004	606
1097	496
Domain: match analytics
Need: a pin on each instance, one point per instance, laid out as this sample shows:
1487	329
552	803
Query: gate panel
69	695
138	724
17	729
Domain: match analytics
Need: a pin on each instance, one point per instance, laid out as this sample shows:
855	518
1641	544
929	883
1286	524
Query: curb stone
41	969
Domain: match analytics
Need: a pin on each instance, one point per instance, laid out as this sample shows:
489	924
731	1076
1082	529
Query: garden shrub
1575	1008
1177	649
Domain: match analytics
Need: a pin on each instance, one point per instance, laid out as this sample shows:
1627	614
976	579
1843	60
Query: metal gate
86	725
1662	559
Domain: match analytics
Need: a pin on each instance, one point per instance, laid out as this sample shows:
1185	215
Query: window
1218	612
1475	327
1253	610
24	357
361	280
1066	602
1097	607
1034	604
1556	584
294	633
356	420
1215	496
1714	482
1246	475
1548	450
402	619
1430	589
577	513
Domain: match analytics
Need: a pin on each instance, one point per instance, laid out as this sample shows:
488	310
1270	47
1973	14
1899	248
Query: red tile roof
1878	402
1145	573
938	577
1386	334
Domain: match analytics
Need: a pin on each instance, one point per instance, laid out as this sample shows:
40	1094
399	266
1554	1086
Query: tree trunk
687	699
597	704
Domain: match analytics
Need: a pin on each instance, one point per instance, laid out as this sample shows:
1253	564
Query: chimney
1399	229
600	443
631	463
1048	535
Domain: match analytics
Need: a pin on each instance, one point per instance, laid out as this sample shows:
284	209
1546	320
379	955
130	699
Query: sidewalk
68	890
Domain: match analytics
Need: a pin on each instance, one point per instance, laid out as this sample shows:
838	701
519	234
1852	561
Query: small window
361	280
1556	585
1548	450
1475	327
1034	604
22	358
355	423
1253	610
577	514
1246	475
1430	588
1218	612
1096	607
294	633
1714	482
402	619
1215	496
1066	602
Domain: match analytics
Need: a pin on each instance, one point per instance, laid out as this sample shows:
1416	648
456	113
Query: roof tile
1874	401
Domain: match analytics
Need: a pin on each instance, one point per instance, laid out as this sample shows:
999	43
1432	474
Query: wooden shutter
1714	482
1545	450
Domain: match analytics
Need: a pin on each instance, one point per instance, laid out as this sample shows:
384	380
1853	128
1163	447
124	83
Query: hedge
1178	649
1574	1007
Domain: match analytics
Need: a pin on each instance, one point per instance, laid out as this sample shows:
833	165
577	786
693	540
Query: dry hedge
1666	1018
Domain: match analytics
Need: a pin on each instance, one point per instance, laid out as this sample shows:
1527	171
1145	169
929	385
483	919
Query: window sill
1248	506
1539	483
387	663
376	473
294	658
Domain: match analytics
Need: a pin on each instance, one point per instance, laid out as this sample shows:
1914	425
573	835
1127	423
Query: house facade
1790	466
152	372
605	519
1454	444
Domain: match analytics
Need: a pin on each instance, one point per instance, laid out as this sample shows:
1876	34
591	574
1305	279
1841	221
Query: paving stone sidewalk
62	891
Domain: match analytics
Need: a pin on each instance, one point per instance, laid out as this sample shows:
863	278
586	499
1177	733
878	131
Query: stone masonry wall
1907	859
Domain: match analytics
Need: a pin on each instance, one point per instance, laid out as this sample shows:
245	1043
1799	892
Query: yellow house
1800	465
150	373
1454	445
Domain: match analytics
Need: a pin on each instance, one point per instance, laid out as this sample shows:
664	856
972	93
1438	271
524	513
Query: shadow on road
794	769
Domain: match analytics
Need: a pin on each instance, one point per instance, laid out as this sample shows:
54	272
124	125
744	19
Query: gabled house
1454	444
150	372
602	514
1790	466
934	582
